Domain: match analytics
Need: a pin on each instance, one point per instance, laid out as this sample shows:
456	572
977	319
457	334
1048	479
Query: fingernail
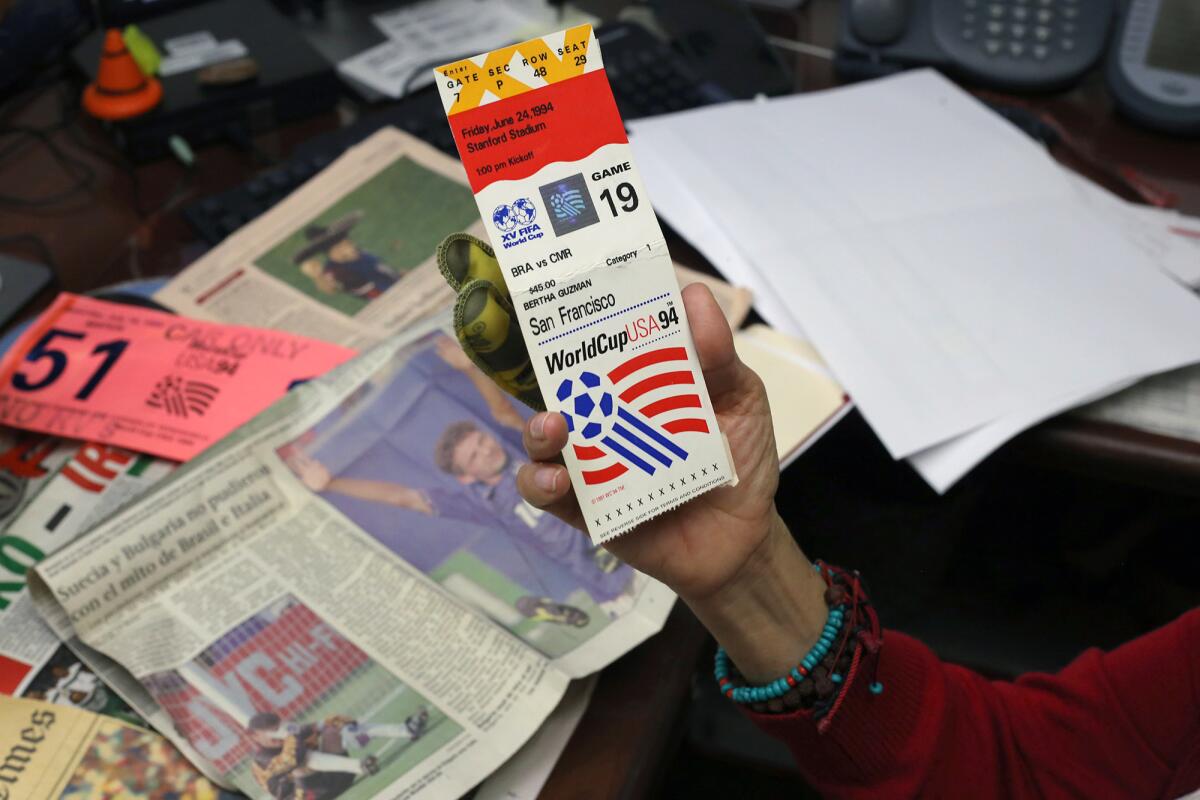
546	478
537	426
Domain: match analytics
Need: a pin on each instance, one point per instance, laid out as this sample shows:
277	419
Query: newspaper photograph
284	704
350	257
61	500
347	594
64	680
424	458
369	240
56	753
27	461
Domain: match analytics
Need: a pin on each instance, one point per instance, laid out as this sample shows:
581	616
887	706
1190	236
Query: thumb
714	341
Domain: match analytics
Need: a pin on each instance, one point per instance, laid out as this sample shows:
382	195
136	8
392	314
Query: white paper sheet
1161	404
944	266
675	203
943	465
1171	239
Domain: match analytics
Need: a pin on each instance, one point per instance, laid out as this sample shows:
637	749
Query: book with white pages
806	400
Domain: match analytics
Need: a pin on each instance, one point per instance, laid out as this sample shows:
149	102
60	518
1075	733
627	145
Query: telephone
1154	66
1022	45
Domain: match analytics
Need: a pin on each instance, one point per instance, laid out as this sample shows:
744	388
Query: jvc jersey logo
515	222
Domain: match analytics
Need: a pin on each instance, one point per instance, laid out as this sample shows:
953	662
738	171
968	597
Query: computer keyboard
646	75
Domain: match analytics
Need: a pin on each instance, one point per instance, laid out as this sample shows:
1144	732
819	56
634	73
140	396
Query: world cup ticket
592	284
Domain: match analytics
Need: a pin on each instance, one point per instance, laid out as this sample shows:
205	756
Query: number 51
58	362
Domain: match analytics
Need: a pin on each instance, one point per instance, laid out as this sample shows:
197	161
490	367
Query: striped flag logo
632	419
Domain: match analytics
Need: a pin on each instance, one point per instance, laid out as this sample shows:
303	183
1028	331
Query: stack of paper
423	35
1167	404
956	280
1171	239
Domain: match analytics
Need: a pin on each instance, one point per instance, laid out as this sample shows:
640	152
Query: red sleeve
1121	724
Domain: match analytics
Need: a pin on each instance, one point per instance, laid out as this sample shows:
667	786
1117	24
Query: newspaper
421	35
349	257
51	752
79	484
524	776
347	595
27	462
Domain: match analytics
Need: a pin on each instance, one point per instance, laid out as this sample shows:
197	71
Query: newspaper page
524	775
96	481
349	257
27	462
349	592
51	752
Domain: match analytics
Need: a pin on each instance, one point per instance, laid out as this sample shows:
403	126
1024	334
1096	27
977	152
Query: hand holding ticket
587	269
147	380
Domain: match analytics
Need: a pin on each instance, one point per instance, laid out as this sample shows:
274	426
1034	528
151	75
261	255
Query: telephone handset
1024	45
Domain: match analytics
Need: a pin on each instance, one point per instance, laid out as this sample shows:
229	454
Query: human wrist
772	612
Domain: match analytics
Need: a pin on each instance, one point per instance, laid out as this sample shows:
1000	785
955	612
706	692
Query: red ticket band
513	138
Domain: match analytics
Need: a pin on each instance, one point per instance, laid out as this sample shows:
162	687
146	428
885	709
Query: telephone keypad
1008	23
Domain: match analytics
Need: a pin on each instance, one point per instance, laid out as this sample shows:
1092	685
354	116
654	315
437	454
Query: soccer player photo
287	707
424	459
65	681
372	237
336	263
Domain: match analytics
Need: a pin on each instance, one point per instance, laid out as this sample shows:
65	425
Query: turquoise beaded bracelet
781	686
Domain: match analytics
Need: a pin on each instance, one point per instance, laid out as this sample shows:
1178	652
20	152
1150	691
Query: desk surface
629	730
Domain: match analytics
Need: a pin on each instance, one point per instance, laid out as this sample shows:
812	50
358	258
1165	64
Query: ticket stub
590	277
150	381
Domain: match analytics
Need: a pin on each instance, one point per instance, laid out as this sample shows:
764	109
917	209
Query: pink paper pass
147	380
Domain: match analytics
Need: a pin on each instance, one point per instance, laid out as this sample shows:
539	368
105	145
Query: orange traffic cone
120	90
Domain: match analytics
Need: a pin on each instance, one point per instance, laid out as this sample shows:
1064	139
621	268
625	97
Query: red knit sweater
1110	725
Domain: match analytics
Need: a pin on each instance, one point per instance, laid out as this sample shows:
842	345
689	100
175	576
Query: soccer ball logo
586	407
524	210
567	203
510	215
504	218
